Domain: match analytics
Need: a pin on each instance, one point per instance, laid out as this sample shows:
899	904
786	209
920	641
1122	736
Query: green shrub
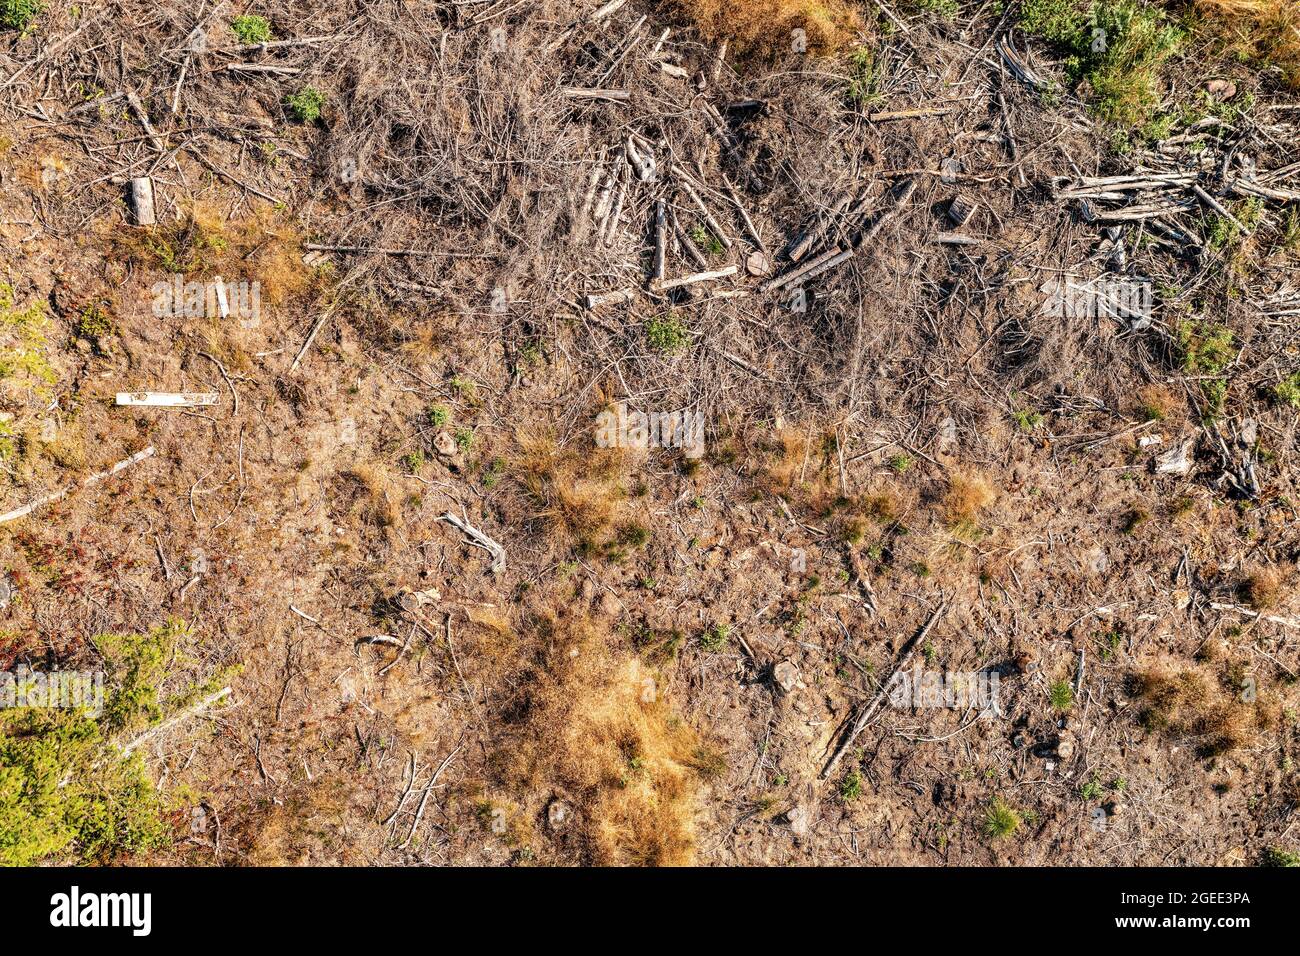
26	375
864	82
19	14
851	786
715	638
947	9
306	104
1059	22
251	28
1287	391
668	334
1062	696
65	788
706	240
93	323
1000	819
1276	856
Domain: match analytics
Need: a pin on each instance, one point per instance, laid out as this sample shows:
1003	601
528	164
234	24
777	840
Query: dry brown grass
576	494
1263	588
1155	403
966	498
1186	702
594	731
304	828
764	27
204	243
1263	29
369	491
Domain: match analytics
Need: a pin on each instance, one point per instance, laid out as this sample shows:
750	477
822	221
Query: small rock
797	818
786	675
558	815
1221	90
416	600
444	444
1065	747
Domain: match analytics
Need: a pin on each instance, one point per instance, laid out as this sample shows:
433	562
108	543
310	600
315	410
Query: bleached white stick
167	399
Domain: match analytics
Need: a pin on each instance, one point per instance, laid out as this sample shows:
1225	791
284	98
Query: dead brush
1186	702
204	243
796	464
591	726
964	501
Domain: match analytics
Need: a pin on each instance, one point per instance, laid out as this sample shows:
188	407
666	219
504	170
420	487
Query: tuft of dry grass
576	495
1262	589
1186	702
965	499
766	27
594	729
1262	29
1155	403
371	491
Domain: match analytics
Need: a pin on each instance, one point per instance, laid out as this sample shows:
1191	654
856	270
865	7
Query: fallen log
167	399
697	277
857	722
93	479
476	536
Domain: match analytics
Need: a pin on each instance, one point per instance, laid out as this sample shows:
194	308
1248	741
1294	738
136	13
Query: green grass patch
851	786
25	370
715	638
1287	391
1113	51
1000	819
1205	348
